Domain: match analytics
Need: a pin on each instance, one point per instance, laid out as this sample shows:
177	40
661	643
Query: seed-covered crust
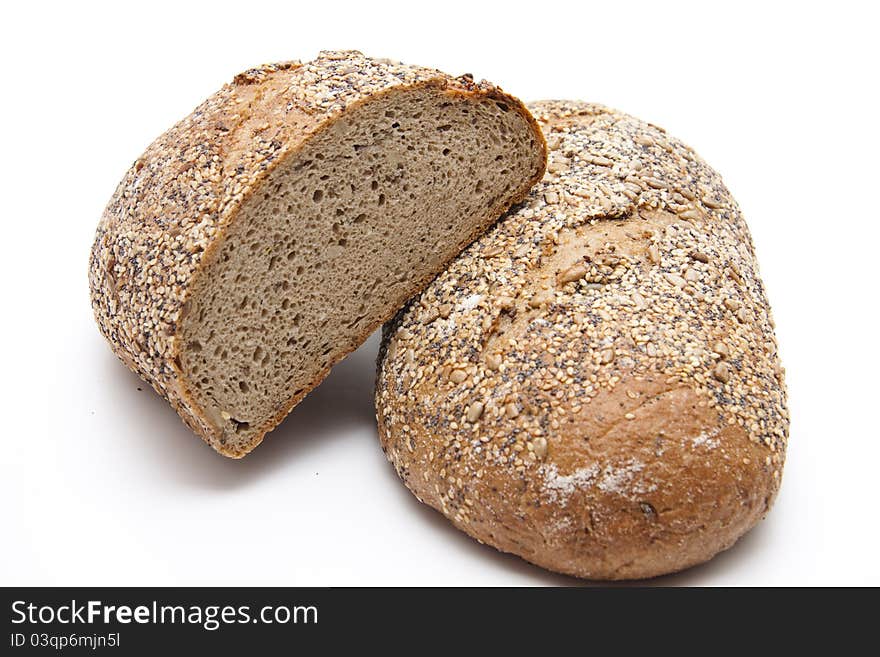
594	385
170	210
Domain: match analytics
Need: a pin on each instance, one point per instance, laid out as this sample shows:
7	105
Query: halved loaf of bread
266	235
594	384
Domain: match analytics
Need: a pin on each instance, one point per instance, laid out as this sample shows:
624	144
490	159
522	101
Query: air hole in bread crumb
317	196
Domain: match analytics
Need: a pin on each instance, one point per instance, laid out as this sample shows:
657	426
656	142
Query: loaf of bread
267	234
594	384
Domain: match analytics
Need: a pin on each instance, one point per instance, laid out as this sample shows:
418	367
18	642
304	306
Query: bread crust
168	216
594	385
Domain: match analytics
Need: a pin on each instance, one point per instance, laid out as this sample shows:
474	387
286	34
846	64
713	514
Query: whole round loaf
272	230
594	384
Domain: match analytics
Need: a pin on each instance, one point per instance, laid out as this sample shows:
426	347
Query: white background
100	483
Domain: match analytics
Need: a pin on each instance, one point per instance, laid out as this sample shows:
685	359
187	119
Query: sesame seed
692	275
676	280
722	372
474	411
457	376
493	361
539	447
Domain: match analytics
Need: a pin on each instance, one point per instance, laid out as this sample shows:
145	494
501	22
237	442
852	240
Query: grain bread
594	384
267	234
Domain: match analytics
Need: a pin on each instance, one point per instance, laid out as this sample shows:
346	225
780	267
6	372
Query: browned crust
168	217
615	335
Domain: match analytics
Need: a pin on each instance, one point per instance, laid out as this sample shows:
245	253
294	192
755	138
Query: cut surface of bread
594	384
338	238
326	195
